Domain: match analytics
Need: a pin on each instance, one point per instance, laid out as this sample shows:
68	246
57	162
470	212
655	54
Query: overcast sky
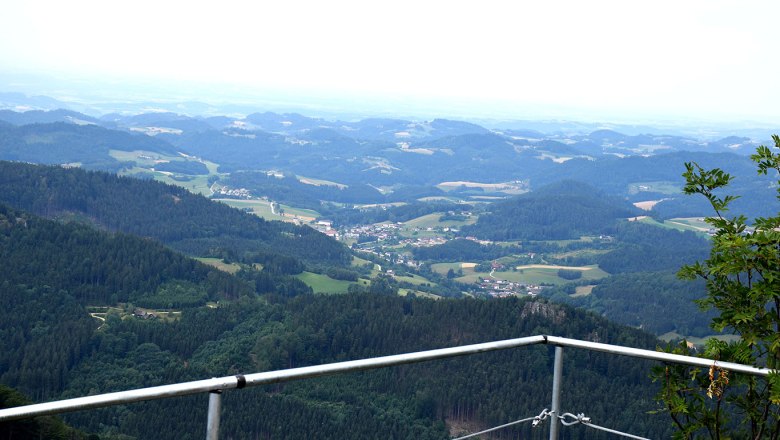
704	59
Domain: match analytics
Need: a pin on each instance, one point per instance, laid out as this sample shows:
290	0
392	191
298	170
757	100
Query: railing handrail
269	377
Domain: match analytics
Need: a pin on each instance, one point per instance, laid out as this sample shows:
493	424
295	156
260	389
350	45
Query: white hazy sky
709	59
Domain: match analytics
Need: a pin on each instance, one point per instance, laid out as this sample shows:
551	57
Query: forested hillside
407	402
63	143
52	271
563	210
52	347
185	221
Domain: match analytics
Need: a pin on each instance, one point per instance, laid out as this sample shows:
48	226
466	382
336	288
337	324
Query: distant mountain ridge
390	155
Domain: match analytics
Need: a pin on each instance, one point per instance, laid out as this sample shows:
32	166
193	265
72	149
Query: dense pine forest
182	220
559	211
49	290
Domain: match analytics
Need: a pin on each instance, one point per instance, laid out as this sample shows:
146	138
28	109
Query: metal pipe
657	355
230	382
386	361
215	410
556	393
118	398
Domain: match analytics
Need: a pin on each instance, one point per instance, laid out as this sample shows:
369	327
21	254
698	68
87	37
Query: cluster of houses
235	192
424	242
503	288
378	232
143	314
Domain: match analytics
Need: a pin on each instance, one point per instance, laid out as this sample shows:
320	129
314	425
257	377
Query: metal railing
216	386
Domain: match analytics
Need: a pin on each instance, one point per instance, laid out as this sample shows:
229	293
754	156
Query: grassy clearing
532	274
680	224
434	220
414	279
662	186
146	160
696	223
262	208
580	253
197	184
512	188
583	291
439	199
404	292
323	283
319	182
220	264
443	268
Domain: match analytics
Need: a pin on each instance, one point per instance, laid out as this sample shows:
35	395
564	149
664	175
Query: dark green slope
563	210
52	271
59	142
50	428
50	347
407	402
187	222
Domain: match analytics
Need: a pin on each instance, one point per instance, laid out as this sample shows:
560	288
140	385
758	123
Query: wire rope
536	419
581	419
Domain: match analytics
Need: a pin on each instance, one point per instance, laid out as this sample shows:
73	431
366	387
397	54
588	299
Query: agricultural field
414	279
691	223
529	274
145	162
434	220
583	290
404	292
681	224
663	187
262	208
509	188
325	284
319	182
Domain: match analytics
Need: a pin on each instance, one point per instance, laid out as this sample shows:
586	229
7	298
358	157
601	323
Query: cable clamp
540	418
579	418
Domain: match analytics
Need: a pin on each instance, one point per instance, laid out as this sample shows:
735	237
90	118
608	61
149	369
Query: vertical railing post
556	394
215	409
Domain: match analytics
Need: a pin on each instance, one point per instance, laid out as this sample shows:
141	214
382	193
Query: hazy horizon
662	62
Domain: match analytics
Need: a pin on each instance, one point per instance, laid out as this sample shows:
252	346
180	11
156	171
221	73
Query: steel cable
581	419
536	420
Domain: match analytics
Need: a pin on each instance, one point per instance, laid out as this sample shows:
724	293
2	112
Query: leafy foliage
742	276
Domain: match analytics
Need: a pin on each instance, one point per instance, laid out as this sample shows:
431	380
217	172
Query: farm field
663	187
319	182
146	161
434	220
262	208
529	274
325	284
511	188
414	279
583	291
680	224
695	223
404	292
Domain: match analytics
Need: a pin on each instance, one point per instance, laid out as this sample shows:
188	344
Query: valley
219	247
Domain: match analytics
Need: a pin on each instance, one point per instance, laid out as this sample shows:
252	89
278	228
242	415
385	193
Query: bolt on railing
215	386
